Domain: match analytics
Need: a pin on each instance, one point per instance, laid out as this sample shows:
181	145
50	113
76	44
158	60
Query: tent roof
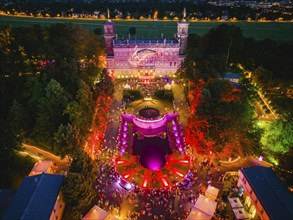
240	213
230	75
212	192
35	197
197	214
273	195
96	213
206	205
235	202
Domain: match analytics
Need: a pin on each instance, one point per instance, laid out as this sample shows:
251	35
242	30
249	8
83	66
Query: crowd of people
143	203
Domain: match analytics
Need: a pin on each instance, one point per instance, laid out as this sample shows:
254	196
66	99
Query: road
180	104
114	116
272	114
40	154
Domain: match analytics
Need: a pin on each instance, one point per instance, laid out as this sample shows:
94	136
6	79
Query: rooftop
148	42
230	75
35	197
273	195
41	167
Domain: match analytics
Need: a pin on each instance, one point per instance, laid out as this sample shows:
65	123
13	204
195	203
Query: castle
144	59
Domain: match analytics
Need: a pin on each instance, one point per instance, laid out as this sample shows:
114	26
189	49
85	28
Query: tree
17	118
262	77
77	189
67	141
277	136
77	192
106	85
8	140
50	113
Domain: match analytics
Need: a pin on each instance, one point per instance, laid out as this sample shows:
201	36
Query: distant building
144	58
38	197
232	77
265	195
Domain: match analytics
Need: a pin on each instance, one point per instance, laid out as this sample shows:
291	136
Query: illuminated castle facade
145	59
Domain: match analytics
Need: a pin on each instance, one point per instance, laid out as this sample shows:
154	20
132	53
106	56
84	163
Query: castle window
170	63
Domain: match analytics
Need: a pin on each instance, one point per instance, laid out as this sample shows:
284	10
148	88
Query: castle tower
182	33
109	36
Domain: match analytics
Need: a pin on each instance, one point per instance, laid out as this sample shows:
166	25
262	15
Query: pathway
180	104
114	116
41	154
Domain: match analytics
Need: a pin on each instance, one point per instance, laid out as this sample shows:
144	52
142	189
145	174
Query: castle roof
146	43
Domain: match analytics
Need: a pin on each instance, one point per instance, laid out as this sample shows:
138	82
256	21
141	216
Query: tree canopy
277	137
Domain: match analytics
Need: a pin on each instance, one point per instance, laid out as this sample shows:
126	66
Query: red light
165	182
145	183
179	174
126	176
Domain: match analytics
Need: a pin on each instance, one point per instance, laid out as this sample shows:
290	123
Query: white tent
96	213
126	86
167	87
212	192
240	213
197	214
235	202
204	208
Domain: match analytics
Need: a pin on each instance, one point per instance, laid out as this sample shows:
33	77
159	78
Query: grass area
13	170
162	105
278	31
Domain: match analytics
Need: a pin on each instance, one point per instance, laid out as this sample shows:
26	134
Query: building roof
41	167
273	195
35	197
230	75
145	41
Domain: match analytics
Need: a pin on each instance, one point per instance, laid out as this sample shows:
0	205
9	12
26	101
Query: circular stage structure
152	149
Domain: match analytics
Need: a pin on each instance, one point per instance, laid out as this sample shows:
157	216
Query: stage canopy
235	202
204	208
212	192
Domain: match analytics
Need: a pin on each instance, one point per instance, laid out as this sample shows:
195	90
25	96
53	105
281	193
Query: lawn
278	31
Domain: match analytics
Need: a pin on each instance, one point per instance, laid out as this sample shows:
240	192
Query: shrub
164	94
132	95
